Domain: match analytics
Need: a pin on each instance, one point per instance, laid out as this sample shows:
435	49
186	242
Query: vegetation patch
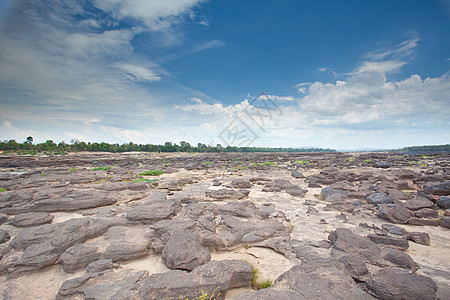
268	163
208	163
255	164
204	295
145	180
73	170
350	159
2	190
101	169
259	284
302	162
367	161
152	173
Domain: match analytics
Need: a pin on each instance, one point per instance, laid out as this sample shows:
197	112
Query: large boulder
395	213
185	251
393	284
378	198
154	210
418	203
441	189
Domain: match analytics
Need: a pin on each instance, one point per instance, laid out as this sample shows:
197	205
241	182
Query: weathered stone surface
426	213
399	258
378	198
392	229
154	210
332	195
124	251
279	185
394	213
101	265
355	265
297	174
398	284
225	194
31	219
445	222
318	278
78	257
270	294
422	222
441	189
175	185
418	203
4	236
443	202
3	218
419	238
400	243
241	183
382	164
184	251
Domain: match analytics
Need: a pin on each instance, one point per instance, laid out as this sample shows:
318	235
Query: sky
281	73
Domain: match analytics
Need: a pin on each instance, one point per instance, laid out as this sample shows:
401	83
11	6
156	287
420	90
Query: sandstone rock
383	164
78	257
445	222
422	222
154	210
441	189
297	174
124	251
399	258
184	251
3	218
418	203
331	195
225	194
400	243
426	213
443	202
393	229
394	213
31	219
241	184
378	198
395	284
419	238
269	294
4	236
355	265
101	265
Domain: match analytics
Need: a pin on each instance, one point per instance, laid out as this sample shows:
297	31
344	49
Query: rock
214	278
382	164
395	283
318	278
279	185
419	238
441	189
331	195
31	219
399	258
101	265
241	184
426	213
378	198
297	174
269	294
443	202
124	251
297	192
354	264
3	218
445	222
418	203
392	229
394	213
390	241
78	257
225	194
184	251
154	210
4	236
422	222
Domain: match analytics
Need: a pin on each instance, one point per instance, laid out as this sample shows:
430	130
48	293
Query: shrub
262	284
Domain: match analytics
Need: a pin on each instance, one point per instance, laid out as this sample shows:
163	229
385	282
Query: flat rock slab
393	283
395	213
154	210
31	219
78	257
184	251
400	243
125	251
441	189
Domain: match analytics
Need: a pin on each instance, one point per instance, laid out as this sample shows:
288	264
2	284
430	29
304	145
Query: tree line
76	146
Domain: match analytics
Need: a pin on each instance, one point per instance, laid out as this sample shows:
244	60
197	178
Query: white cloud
275	98
209	44
138	73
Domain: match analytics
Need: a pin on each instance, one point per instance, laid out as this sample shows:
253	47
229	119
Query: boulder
125	251
184	251
392	229
3	218
445	222
419	238
101	265
399	258
394	213
378	198
154	210
331	195
426	213
400	243
443	202
382	164
393	283
297	174
441	189
355	265
4	236
422	222
418	203
31	219
241	184
78	257
225	194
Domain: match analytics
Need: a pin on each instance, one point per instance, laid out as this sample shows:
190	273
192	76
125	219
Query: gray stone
332	195
443	202
419	238
78	257
101	265
378	198
418	203
241	184
392	229
445	222
31	219
270	294
225	194
399	258
184	251
4	236
383	164
422	222
124	251
441	189
398	284
154	210
354	264
394	213
3	218
400	243
426	213
297	174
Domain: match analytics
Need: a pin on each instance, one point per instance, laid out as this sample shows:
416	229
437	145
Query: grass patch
203	296
267	163
73	170
238	168
2	190
319	196
255	164
144	180
152	173
259	284
350	159
367	161
101	169
208	163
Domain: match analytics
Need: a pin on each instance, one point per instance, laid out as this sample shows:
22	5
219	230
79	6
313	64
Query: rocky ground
320	226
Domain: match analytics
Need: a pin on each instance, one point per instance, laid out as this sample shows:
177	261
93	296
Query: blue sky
337	74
